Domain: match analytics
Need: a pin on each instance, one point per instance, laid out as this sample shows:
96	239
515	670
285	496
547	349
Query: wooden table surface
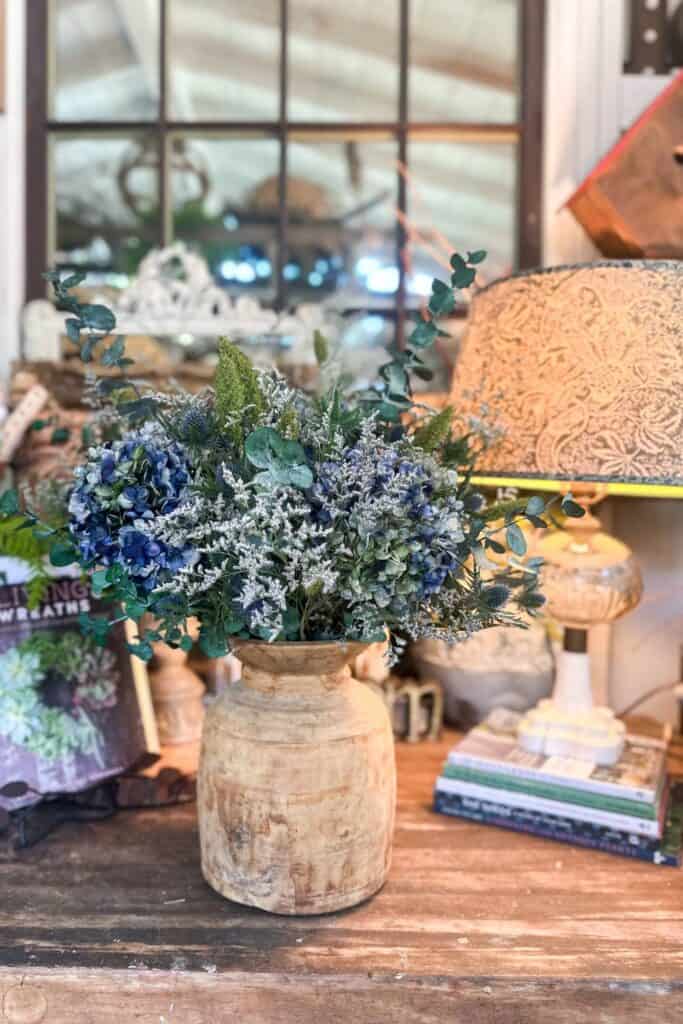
112	922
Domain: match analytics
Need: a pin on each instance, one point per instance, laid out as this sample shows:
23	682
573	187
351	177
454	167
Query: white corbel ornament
173	294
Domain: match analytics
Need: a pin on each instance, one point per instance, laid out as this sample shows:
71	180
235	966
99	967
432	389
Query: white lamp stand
568	725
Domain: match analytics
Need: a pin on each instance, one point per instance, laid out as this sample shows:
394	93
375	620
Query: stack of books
631	808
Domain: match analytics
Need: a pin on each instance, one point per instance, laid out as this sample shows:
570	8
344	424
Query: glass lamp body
588	578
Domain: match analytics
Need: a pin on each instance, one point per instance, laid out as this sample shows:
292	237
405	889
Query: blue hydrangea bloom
123	485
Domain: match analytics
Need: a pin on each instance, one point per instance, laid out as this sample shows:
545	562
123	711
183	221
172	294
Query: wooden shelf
112	922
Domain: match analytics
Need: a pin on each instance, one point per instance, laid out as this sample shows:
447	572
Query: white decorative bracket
174	294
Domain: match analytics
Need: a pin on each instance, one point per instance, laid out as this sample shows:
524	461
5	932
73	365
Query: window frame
526	133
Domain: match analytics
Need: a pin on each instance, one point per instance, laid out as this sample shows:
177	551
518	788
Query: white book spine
484	764
510	798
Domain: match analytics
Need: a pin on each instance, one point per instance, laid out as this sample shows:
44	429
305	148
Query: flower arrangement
273	515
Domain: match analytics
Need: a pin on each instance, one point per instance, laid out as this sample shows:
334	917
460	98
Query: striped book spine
526	801
552	791
665	852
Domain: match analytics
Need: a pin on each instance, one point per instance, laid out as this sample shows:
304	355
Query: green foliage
213	642
62	553
515	539
464	271
282	462
9	503
535	506
288	424
89	323
94	627
17	540
89	329
442	301
434	432
571	508
239	401
138	409
142	649
396	397
536	511
321	348
424	335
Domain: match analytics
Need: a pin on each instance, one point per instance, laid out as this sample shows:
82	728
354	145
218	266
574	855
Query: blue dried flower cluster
399	496
121	488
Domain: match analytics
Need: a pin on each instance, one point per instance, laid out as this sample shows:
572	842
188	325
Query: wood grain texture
297	784
473	925
611	204
151	997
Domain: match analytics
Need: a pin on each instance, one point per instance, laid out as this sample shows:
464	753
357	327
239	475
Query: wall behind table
646	645
588	103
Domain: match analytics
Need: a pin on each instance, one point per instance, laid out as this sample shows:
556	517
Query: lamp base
589	734
569	725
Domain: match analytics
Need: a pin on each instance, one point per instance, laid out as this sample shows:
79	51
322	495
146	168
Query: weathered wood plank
474	924
152	997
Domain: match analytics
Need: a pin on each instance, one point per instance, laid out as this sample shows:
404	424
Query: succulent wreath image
50	684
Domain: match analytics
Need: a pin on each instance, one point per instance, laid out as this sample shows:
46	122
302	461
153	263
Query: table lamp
581	368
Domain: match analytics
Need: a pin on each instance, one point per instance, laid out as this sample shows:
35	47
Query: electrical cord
676	687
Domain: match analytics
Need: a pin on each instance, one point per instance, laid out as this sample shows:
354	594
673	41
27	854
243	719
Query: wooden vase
177	695
297	783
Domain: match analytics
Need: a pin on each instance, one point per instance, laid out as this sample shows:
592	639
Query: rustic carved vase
297	782
177	691
177	695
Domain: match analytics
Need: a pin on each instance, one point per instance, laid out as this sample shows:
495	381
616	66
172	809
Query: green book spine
564	794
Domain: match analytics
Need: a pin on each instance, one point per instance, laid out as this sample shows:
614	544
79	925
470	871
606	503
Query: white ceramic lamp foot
568	725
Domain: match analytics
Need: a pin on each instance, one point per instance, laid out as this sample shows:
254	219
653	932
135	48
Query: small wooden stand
415	708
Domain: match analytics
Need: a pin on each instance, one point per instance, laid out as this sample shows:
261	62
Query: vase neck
303	684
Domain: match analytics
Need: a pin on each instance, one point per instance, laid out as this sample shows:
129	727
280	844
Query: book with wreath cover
72	713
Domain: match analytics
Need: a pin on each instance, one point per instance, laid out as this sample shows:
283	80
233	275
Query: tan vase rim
297	656
243	641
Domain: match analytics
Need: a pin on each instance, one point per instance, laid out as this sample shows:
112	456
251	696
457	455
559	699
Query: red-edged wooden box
631	204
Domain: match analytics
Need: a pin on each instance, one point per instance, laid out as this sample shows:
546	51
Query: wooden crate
631	204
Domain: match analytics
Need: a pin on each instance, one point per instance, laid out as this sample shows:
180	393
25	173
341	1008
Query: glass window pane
343	60
105	60
341	199
463	60
224	60
363	346
461	196
225	202
106	204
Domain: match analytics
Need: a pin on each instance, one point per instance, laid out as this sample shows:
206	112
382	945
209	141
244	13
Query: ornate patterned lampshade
582	369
